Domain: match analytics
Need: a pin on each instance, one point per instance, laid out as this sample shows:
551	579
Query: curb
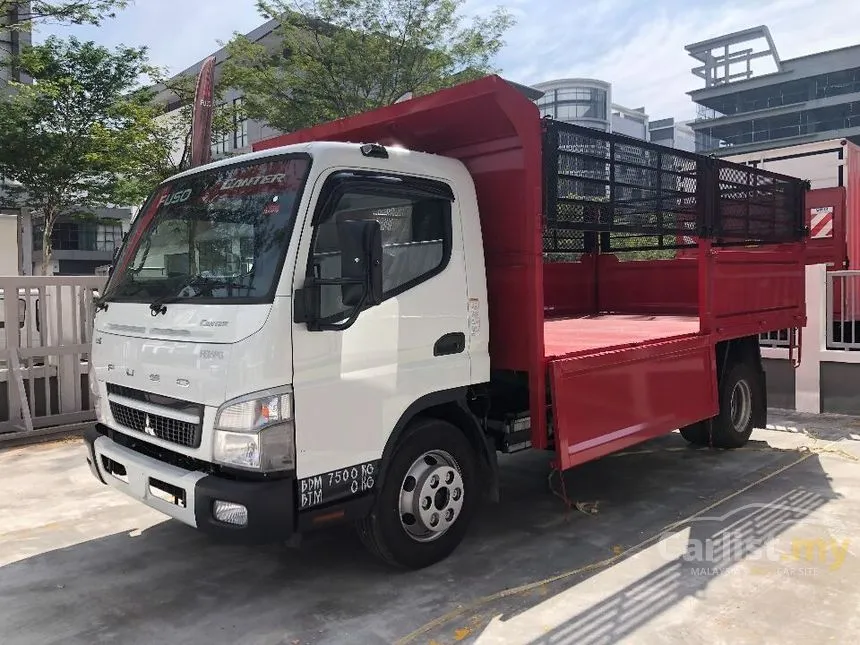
42	435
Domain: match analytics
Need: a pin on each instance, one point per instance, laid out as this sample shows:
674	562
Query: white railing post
807	393
11	336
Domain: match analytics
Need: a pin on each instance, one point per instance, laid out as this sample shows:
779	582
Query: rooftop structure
754	100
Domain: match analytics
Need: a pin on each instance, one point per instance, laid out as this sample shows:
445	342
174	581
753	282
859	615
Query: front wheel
427	499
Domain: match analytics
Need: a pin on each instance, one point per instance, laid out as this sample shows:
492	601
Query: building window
220	142
83	235
547	99
109	236
65	236
240	124
575	103
570	112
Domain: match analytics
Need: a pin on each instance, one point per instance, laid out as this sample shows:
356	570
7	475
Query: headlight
256	432
252	414
268	450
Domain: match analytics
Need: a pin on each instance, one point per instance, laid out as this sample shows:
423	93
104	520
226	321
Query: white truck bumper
144	479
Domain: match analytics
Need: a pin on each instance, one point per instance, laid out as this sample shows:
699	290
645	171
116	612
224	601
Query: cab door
351	386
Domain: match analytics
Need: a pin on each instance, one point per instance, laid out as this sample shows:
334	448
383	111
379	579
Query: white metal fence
45	336
843	310
775	338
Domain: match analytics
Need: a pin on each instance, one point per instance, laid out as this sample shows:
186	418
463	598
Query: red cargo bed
581	335
628	346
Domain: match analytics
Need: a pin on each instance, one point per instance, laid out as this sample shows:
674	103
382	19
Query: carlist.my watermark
758	533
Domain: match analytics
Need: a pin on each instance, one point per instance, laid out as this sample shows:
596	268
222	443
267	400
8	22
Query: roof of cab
326	149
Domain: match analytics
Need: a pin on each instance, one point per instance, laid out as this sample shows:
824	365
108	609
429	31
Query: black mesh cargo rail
618	193
757	206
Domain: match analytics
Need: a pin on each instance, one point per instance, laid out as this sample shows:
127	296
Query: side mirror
360	262
360	281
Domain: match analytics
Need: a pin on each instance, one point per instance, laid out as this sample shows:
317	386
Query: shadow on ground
170	584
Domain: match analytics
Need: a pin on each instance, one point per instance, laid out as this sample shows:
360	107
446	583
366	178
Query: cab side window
416	239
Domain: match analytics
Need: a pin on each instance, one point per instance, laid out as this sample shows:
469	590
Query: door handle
454	343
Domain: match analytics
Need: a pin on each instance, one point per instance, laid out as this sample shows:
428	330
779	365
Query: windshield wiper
158	306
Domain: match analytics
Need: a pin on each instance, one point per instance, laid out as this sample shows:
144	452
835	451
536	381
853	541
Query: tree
76	12
82	135
341	57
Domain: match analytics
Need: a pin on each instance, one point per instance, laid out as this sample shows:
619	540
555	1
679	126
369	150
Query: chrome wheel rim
741	406
431	496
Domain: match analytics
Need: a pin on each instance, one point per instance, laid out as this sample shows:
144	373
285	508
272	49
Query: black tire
383	532
730	429
697	434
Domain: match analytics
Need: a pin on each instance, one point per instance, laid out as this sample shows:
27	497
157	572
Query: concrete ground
663	544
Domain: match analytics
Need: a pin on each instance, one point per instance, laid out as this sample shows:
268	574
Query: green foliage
342	57
75	12
71	141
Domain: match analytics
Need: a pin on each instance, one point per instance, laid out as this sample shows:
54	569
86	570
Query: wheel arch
448	405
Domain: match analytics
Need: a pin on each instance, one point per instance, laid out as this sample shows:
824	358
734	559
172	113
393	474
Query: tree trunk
46	242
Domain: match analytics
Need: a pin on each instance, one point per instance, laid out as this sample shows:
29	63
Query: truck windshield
219	235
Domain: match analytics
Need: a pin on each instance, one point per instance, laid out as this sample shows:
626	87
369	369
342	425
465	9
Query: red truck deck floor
587	334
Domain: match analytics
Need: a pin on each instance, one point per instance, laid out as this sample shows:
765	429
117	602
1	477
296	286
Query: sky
635	45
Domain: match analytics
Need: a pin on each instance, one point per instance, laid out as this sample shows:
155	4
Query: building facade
12	41
79	246
588	102
668	132
799	100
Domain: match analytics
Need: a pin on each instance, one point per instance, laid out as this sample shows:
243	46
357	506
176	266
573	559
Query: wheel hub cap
741	405
431	496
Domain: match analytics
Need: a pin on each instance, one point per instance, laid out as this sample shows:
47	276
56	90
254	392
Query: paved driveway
663	544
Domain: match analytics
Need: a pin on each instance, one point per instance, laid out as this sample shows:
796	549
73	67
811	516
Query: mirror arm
356	310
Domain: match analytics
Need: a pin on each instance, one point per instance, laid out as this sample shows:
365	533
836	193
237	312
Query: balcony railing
707	114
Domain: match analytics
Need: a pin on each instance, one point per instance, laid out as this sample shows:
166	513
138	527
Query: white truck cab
273	329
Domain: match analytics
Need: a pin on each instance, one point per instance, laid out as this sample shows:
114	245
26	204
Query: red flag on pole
201	116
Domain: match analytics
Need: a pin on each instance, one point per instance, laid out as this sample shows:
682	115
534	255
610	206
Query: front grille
182	433
164	427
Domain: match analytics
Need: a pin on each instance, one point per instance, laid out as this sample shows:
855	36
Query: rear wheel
427	499
739	401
